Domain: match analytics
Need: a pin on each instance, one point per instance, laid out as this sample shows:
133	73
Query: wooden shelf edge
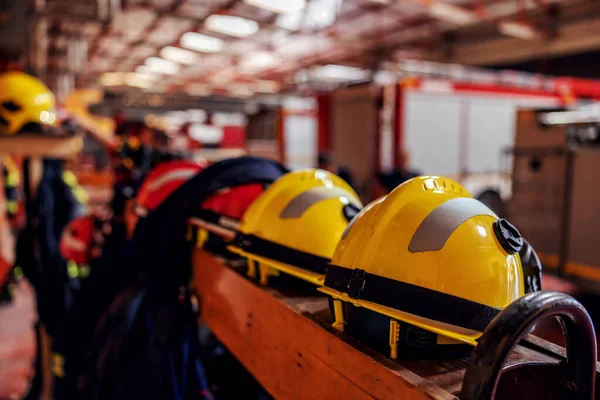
41	146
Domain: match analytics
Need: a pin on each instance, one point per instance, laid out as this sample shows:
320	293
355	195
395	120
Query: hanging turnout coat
146	345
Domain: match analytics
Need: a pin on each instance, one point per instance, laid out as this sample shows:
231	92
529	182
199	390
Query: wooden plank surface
291	355
287	343
31	145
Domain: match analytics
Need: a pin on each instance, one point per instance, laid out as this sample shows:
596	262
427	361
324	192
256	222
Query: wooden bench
287	343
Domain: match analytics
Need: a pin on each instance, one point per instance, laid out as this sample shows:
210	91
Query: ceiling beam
579	37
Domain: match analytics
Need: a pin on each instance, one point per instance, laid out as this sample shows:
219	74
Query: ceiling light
258	61
222	77
232	26
145	70
162	66
319	14
181	56
278	6
451	13
138	80
202	43
517	30
343	72
267	86
111	79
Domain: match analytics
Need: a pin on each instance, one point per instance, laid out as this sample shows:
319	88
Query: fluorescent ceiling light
202	43
181	56
232	26
451	13
222	77
138	80
162	66
111	79
290	21
278	6
319	14
517	30
258	61
267	86
145	70
342	72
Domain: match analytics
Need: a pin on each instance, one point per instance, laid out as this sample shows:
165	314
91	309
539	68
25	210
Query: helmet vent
3	122
11	106
441	183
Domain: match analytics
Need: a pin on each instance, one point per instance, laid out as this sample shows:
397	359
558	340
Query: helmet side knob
508	236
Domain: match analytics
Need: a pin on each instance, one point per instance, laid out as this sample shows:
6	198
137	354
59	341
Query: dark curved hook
513	323
532	268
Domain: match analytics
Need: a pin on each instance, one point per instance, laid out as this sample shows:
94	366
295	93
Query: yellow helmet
424	266
24	100
294	225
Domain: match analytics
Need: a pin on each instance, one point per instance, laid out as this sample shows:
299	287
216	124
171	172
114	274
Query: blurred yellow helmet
426	265
294	225
24	100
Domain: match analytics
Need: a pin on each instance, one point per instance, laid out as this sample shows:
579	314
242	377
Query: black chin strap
412	299
278	252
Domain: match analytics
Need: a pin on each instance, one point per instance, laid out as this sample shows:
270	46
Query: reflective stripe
305	200
139	210
73	242
437	227
213	228
171	176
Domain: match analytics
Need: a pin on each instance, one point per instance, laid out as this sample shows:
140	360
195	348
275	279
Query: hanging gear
153	240
48	212
100	264
38	244
79	192
427	265
11	174
158	185
26	104
294	226
76	240
104	266
138	345
219	217
147	347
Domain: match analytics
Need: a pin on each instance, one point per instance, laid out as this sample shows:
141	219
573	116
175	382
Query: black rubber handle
513	323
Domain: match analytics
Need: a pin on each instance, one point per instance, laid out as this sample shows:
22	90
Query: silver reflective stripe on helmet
301	203
182	173
437	227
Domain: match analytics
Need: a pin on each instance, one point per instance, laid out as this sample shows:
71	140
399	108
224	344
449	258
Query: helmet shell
23	100
429	232
304	210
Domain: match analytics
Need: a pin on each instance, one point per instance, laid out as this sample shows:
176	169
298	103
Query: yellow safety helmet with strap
294	225
426	265
24	100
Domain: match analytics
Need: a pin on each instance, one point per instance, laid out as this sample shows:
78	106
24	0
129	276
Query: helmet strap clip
356	283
